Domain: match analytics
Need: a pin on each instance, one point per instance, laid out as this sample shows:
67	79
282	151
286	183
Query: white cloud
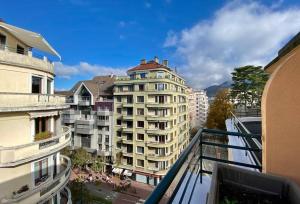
84	68
237	35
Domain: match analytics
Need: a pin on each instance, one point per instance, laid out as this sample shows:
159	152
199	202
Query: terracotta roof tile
148	66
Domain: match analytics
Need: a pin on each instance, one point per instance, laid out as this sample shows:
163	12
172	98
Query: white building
201	108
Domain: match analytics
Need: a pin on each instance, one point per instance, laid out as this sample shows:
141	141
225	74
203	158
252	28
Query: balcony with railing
15	155
84	100
46	188
25	58
30	101
188	180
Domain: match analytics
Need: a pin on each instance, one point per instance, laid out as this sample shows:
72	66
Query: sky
204	39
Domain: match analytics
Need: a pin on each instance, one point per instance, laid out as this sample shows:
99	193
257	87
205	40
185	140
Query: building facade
151	122
198	108
32	170
90	116
201	108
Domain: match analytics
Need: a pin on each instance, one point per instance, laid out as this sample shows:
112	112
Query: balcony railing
27	58
181	180
15	155
23	101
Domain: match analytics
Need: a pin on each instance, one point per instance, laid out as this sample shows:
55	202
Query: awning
117	171
31	39
127	173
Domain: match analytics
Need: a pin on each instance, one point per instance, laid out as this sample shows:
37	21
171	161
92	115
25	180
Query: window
119	122
107	138
140	162
49	83
141	87
86	141
106	148
119	110
159	87
140	111
132	76
100	138
40	171
160	74
140	124
140	99
119	144
174	98
41	124
140	150
119	99
143	75
36	85
129	160
140	136
129	99
20	50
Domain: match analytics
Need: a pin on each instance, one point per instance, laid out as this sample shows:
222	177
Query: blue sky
205	40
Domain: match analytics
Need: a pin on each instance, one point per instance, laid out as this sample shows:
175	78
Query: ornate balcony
11	102
15	155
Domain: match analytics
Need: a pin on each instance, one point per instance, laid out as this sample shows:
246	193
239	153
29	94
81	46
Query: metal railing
193	161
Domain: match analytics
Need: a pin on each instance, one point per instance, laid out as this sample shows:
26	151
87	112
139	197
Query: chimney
165	62
156	59
143	61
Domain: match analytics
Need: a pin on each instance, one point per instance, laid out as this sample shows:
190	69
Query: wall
281	118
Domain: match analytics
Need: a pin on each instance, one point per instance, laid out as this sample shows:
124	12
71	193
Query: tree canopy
219	111
248	85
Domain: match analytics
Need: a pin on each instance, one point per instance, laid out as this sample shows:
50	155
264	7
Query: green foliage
66	151
80	158
97	164
119	157
219	111
248	85
42	136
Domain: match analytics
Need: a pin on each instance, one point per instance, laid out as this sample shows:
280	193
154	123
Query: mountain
211	91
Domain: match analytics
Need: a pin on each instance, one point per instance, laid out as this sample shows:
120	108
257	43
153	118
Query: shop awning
117	171
127	173
31	39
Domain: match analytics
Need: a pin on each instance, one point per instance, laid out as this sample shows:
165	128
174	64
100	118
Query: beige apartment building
151	120
32	170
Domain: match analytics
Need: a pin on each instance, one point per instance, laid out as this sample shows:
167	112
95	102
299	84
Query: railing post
200	143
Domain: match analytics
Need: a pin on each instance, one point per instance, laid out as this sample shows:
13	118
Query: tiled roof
99	85
148	66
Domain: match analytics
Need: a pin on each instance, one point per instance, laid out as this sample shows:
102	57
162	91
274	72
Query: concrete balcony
66	196
11	102
127	129
88	130
26	61
127	117
159	105
103	113
159	157
160	117
103	122
16	155
46	189
153	143
158	131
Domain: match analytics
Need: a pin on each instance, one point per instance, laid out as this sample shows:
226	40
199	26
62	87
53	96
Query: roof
293	43
64	93
99	85
31	39
149	66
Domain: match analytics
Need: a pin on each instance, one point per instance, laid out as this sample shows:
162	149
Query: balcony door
42	124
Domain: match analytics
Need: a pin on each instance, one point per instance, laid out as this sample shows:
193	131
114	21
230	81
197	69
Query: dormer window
20	50
160	75
2	41
132	76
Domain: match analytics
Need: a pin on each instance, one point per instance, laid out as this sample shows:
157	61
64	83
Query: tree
80	158
248	85
97	164
219	111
